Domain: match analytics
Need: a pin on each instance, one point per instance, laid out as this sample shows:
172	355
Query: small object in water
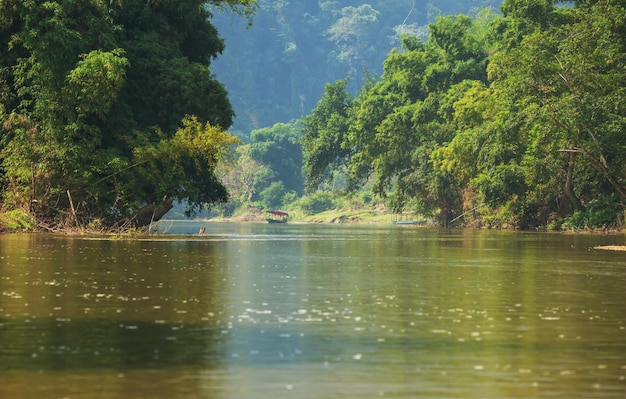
277	216
202	230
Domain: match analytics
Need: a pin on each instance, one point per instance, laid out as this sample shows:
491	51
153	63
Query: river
312	311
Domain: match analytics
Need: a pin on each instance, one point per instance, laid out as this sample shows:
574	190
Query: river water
312	311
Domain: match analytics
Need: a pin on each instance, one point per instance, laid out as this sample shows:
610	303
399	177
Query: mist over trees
276	70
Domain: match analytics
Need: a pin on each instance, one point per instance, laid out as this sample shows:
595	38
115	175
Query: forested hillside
515	121
276	70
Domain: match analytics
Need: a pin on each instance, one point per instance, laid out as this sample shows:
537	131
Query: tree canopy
110	110
514	120
276	70
113	102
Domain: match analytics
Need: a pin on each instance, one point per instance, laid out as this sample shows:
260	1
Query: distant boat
420	222
277	217
405	218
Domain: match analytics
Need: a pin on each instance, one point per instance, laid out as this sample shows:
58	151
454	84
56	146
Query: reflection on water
267	311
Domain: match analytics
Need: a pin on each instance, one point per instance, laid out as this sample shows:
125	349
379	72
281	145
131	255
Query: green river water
312	311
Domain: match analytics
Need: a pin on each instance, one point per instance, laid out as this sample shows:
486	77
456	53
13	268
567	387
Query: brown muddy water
311	311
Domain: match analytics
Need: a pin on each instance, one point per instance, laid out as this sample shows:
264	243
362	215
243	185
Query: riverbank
372	215
16	221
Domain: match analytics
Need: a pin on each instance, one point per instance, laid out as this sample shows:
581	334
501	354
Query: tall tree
89	85
279	148
402	118
324	134
352	34
276	70
567	80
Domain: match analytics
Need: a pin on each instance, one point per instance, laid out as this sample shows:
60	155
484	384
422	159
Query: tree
276	70
567	80
351	33
272	195
278	147
541	142
86	86
244	177
324	133
401	119
189	159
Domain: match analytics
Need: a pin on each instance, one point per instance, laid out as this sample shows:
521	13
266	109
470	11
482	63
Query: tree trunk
601	166
152	213
569	190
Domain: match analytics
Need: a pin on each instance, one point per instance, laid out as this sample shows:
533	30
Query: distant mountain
275	71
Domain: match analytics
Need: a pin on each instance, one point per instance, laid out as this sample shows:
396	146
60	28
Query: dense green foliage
268	173
279	148
324	134
277	69
94	98
111	109
514	120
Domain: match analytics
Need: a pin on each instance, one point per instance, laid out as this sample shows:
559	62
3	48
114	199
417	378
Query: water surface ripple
310	311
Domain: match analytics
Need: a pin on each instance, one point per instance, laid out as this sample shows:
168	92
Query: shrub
272	195
595	215
290	197
16	220
317	202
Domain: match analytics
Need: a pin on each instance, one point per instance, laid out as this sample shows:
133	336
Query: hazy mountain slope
276	70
